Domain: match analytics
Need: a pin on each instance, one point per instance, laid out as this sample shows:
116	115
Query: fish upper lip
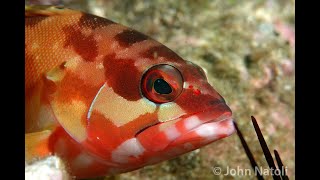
222	117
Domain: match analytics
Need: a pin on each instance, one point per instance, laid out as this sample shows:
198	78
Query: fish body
108	99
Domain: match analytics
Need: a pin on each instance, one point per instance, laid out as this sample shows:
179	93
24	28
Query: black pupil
162	87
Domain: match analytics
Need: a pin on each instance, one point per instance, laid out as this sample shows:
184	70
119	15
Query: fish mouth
197	129
206	132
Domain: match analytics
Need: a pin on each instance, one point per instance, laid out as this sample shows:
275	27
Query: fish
108	99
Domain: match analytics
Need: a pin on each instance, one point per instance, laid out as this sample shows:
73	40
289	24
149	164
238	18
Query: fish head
155	110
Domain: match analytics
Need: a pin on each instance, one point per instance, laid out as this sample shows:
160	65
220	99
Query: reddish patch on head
93	22
128	37
103	135
123	77
153	140
192	102
85	45
161	51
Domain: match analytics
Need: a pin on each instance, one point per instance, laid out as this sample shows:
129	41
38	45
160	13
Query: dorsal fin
47	10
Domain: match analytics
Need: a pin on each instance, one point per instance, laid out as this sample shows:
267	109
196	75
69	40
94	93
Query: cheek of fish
108	99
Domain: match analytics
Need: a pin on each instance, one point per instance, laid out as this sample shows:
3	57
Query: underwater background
246	47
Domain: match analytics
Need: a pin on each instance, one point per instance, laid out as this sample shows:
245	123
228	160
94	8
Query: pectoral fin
37	145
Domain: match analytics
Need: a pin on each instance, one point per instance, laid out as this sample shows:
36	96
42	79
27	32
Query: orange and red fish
108	99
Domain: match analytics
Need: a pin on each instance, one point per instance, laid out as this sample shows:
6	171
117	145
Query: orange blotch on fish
71	87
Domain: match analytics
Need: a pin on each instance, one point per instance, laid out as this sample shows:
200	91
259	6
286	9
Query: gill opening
93	101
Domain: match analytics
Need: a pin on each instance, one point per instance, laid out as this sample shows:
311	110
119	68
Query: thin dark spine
265	149
253	162
281	166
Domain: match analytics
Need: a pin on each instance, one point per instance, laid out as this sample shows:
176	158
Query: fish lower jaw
205	133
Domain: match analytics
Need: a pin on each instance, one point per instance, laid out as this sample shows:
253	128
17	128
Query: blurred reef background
246	47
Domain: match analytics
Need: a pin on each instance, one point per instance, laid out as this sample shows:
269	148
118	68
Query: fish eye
162	87
161	83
